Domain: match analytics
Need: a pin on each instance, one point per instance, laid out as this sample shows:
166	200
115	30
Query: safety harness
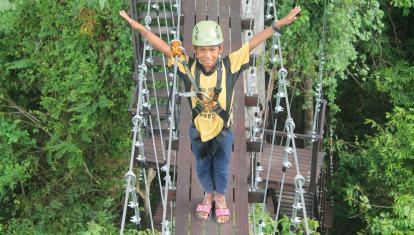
195	82
224	114
178	51
209	147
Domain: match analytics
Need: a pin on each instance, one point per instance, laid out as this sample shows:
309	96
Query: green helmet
207	33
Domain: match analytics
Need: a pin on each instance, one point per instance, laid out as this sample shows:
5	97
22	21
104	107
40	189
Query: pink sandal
203	207
222	212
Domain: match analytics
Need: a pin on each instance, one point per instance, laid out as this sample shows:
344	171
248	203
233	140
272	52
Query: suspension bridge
267	166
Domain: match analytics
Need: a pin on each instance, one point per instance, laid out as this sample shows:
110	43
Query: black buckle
217	91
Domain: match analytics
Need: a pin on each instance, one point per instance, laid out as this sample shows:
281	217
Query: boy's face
208	55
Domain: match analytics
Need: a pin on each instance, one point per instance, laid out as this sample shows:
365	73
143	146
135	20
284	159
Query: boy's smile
208	55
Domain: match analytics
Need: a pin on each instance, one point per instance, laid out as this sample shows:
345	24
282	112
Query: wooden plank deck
286	205
304	158
239	160
329	214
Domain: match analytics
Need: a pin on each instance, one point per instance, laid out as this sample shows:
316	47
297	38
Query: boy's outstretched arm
153	39
266	33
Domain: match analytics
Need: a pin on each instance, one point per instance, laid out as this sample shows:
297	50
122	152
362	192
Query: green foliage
397	81
374	174
348	24
404	4
381	76
383	196
65	82
16	148
6	5
284	224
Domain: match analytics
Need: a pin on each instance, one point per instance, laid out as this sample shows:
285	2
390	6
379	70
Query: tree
65	82
374	173
382	196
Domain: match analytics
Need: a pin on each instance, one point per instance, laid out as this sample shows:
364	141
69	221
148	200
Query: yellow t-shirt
208	123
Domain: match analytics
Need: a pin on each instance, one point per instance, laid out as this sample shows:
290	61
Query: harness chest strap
190	76
217	90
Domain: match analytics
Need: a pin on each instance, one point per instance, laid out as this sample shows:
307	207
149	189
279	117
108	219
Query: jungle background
65	86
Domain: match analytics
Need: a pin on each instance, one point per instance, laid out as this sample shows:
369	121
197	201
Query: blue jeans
213	170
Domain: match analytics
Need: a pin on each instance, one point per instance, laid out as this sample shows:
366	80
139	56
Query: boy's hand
176	48
124	15
291	17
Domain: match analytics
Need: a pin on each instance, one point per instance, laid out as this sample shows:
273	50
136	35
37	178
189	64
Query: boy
212	78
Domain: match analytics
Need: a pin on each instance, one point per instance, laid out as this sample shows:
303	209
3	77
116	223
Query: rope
278	109
152	130
130	176
165	222
331	169
318	97
259	168
145	92
140	144
156	159
289	126
156	7
299	180
268	97
138	121
255	121
273	60
165	167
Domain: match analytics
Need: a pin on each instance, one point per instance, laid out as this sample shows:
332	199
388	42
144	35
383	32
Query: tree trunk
151	174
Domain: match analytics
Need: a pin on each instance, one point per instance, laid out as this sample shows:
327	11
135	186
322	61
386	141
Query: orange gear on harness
176	48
